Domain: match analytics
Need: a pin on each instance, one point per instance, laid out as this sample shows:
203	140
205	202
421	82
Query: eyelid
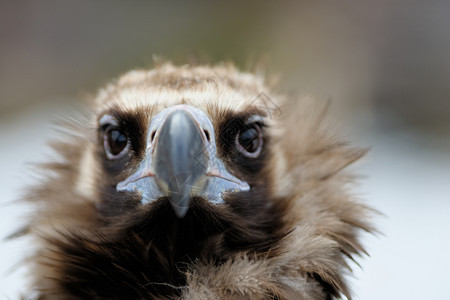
108	120
256	119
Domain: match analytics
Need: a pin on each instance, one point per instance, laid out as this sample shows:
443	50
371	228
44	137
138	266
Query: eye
115	142
249	140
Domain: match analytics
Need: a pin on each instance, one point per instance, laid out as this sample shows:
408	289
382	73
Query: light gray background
384	64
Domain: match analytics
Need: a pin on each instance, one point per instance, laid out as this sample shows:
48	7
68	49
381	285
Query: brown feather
289	238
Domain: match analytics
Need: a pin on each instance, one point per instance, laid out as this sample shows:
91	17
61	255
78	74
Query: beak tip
180	203
180	211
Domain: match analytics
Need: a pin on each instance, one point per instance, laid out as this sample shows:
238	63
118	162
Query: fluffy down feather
290	237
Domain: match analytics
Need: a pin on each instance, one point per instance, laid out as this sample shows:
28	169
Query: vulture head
196	182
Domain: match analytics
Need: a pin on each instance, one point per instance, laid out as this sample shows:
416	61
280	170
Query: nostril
152	136
206	134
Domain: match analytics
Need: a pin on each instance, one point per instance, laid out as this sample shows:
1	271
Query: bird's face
180	159
200	150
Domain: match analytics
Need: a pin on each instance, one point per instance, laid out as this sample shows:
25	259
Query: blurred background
384	64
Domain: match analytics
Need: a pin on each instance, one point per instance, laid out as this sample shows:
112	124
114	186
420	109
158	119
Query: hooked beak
181	162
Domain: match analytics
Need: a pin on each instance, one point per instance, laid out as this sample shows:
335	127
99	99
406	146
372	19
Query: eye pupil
116	141
249	140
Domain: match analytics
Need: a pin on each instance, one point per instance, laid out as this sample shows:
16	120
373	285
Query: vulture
196	182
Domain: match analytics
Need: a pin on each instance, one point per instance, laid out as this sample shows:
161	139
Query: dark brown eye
115	142
249	141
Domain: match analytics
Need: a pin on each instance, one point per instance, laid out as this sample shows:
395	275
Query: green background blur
392	57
